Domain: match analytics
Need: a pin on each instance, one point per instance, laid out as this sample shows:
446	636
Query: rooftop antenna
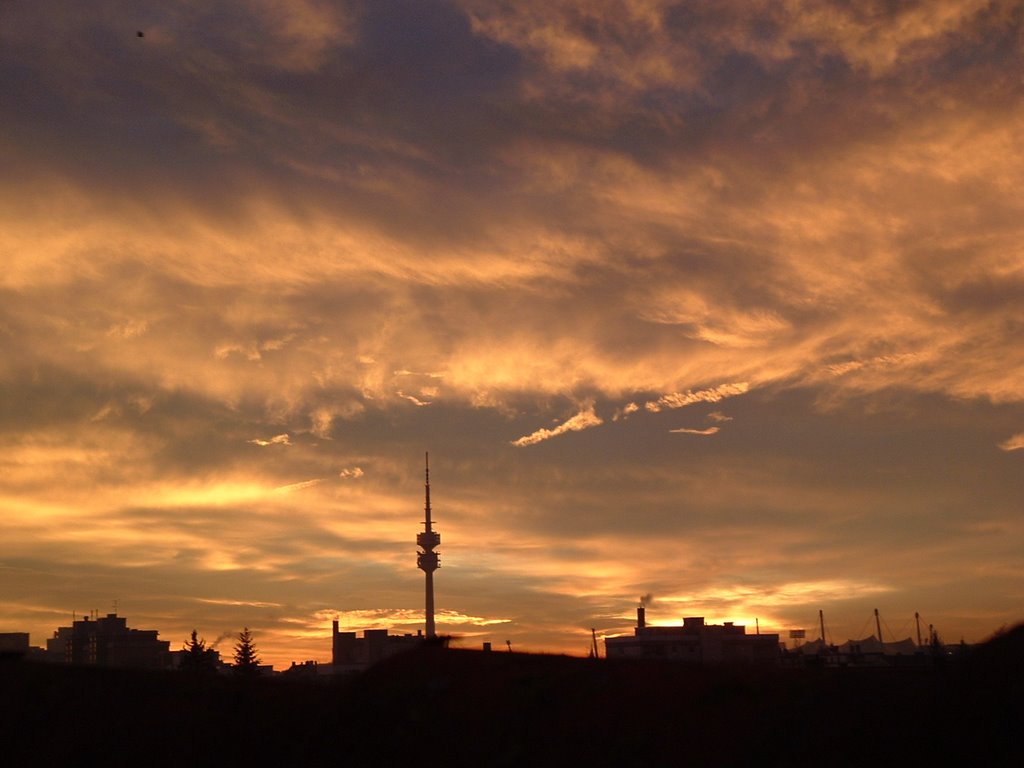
878	625
427	559
821	620
917	621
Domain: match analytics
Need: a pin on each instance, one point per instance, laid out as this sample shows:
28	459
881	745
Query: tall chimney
427	559
641	616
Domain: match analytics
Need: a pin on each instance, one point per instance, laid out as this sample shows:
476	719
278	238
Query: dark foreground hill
450	707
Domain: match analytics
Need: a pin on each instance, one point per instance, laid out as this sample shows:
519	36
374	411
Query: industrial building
108	642
694	641
349	652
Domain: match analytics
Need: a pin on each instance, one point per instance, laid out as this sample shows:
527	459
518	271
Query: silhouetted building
871	646
870	652
694	641
306	670
13	643
108	642
351	652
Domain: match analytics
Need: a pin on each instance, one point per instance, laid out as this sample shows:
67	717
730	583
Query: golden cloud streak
1014	443
713	395
585	419
703	432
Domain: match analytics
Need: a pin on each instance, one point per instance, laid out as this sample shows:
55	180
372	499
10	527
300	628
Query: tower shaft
427	559
431	631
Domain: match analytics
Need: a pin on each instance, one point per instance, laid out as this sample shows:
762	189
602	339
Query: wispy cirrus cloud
398	617
1013	443
683	399
585	419
413	399
282	439
704	432
291	487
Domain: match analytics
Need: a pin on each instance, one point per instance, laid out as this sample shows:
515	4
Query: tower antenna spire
426	488
427	559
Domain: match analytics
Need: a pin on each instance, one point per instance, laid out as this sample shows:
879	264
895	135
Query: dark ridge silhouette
512	709
1003	651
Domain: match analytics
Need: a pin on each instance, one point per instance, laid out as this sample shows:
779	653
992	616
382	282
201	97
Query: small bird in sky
140	34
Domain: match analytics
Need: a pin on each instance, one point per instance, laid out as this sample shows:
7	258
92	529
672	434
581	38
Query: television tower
427	558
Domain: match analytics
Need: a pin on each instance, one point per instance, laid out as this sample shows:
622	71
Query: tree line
200	658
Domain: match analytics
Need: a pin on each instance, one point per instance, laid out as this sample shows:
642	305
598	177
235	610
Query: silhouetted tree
197	658
246	660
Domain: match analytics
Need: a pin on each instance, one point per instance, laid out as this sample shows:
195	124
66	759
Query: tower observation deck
427	559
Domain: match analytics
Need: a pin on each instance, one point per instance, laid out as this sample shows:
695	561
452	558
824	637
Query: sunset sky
719	302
